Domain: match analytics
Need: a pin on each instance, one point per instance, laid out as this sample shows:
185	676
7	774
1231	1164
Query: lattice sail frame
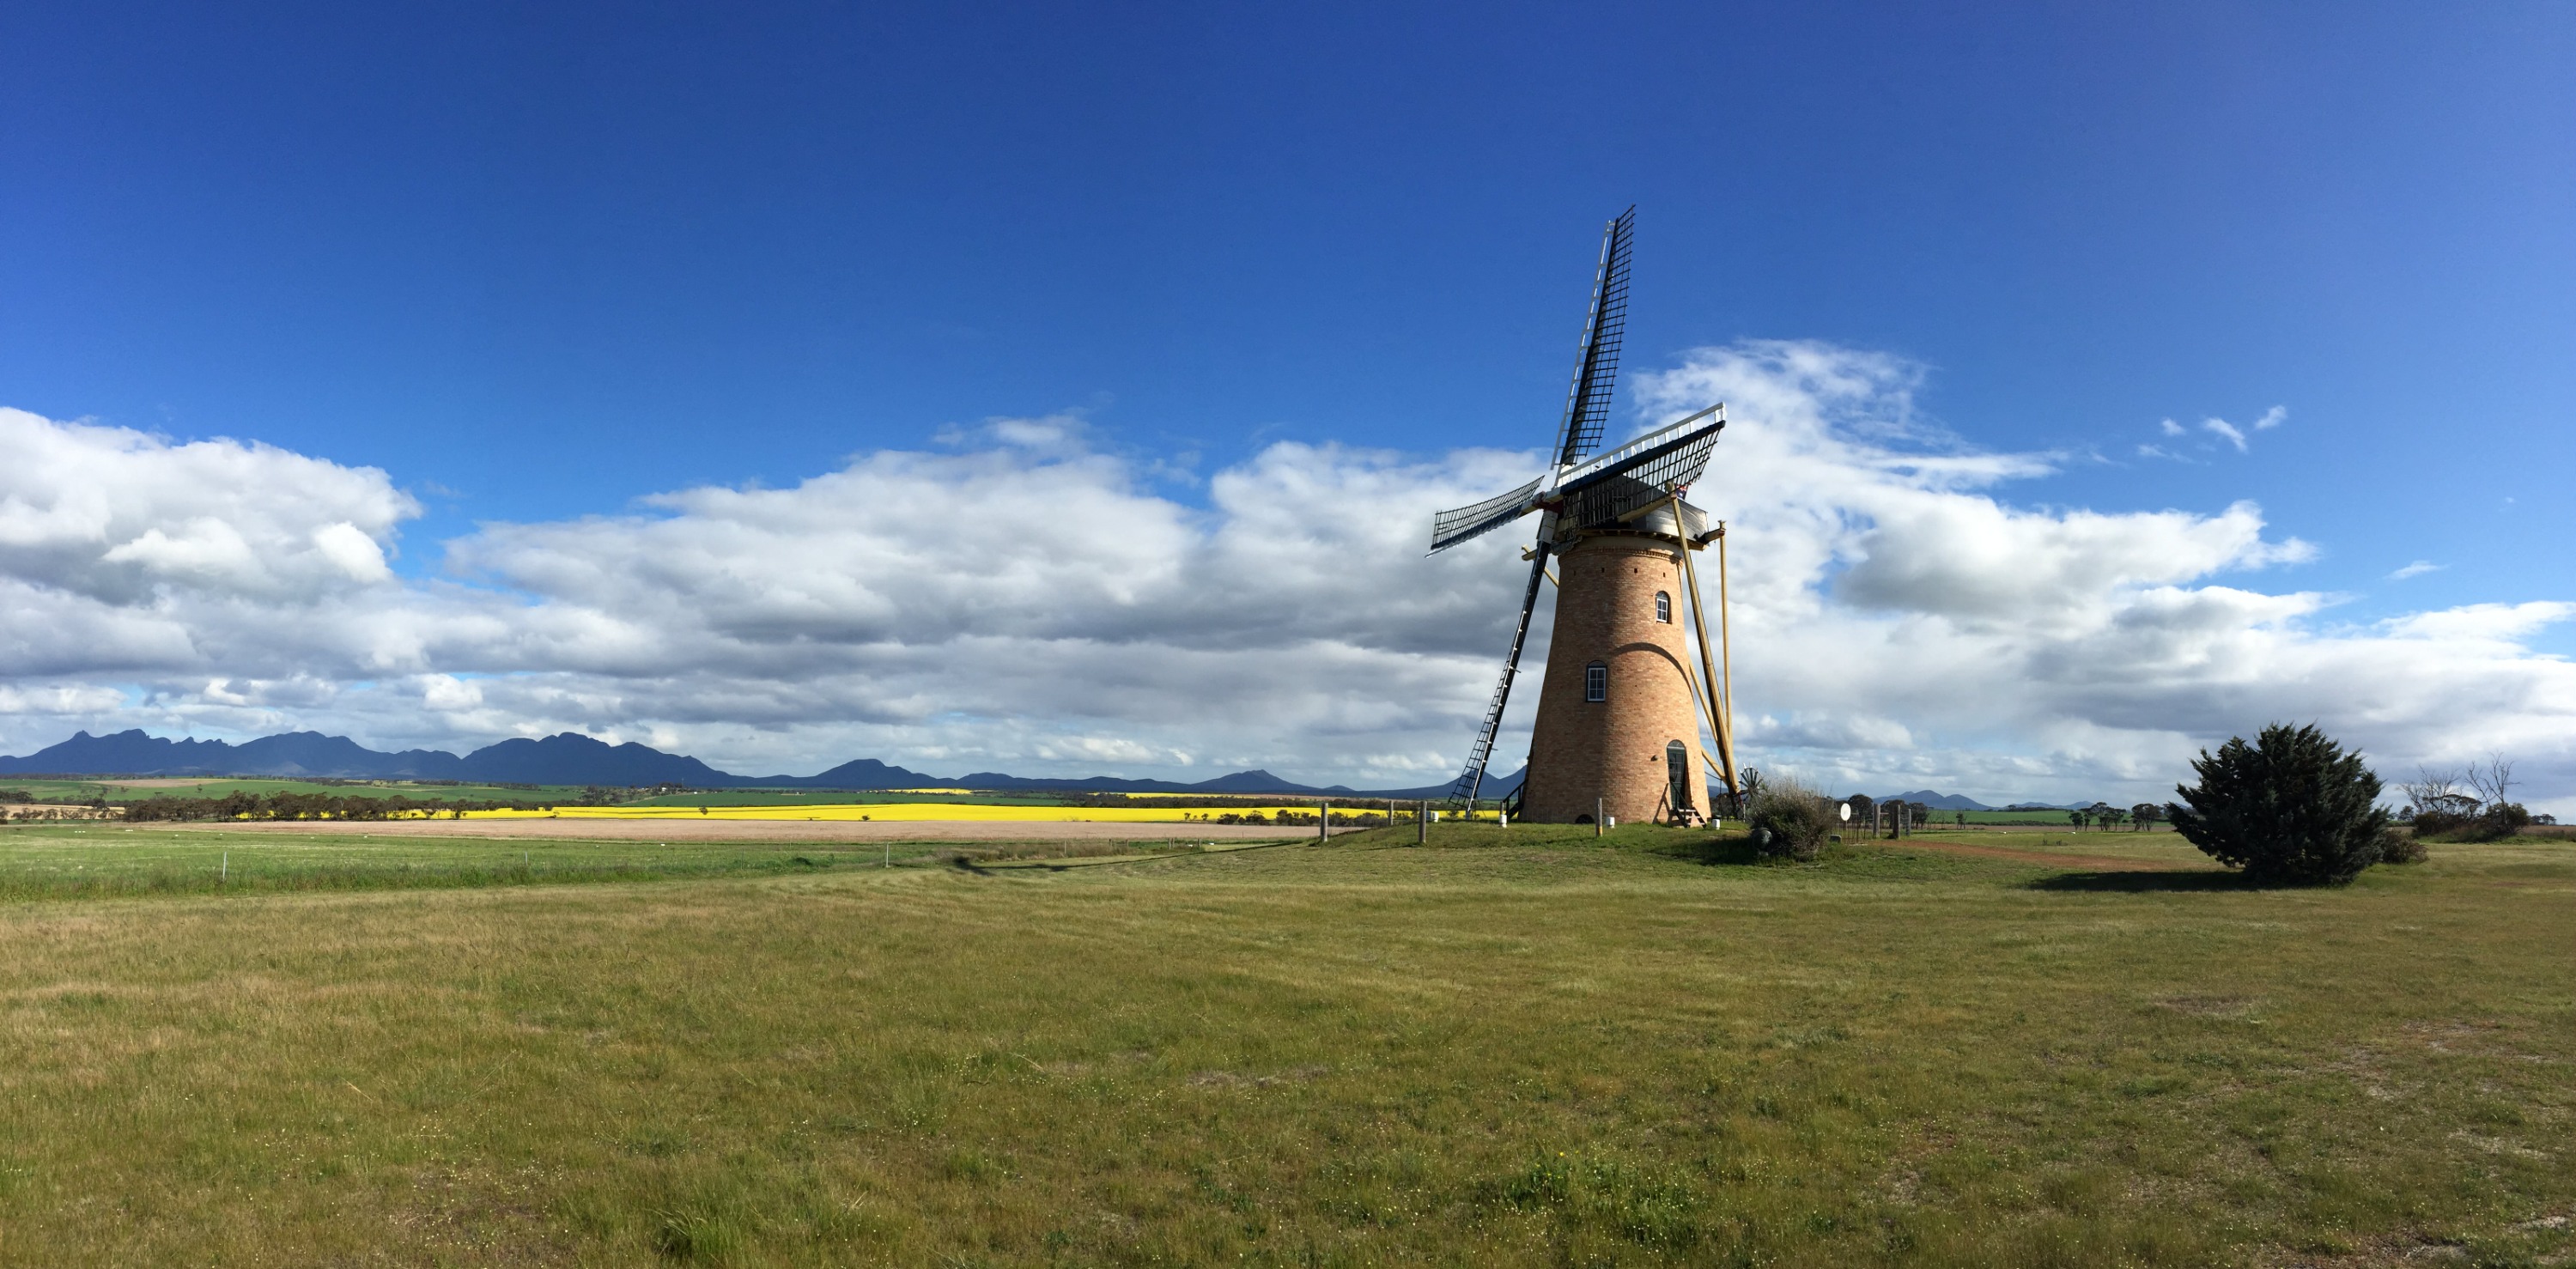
1596	373
1449	528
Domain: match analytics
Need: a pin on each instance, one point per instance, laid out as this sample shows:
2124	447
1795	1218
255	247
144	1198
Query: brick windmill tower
1620	709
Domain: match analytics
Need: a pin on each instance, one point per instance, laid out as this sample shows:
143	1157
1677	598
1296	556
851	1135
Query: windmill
1619	716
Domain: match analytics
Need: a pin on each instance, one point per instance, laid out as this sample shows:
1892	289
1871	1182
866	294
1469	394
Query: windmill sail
1587	402
1449	528
1472	780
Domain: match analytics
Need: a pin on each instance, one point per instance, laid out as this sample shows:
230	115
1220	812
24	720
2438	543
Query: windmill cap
1642	510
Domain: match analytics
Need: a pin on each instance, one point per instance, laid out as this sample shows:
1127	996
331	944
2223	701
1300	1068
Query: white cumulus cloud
124	517
1025	600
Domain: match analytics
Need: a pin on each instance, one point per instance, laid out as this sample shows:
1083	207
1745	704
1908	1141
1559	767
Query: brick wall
1613	750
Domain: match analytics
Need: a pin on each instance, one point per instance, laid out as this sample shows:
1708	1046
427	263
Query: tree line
312	806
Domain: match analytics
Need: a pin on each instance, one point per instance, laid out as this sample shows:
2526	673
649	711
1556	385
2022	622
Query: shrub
2400	848
2290	809
2501	820
1789	820
2493	823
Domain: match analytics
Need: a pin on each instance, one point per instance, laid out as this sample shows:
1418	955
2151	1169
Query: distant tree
1963	819
2106	816
2143	814
2435	802
2290	809
2491	780
2464	804
2076	817
2498	814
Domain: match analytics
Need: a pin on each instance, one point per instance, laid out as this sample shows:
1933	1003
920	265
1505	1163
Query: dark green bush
1789	820
2493	823
2290	809
2397	847
2501	820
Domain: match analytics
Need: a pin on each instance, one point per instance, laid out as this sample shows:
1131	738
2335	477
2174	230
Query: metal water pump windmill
1617	731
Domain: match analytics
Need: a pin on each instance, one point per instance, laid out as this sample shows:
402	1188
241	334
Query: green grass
2055	819
105	859
1521	1046
92	860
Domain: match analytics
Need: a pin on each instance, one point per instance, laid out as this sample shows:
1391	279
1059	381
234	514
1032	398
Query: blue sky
537	264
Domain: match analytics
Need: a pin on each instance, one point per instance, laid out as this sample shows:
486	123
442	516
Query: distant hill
1940	801
297	753
1956	802
572	758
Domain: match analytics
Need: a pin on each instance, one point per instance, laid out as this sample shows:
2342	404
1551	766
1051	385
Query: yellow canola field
901	811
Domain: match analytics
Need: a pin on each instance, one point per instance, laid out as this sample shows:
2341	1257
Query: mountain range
572	758
1955	802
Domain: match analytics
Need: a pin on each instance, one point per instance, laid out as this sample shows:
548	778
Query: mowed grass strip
1514	1047
105	859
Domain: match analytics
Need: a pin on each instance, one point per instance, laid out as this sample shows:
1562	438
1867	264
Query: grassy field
1519	1046
2053	818
41	861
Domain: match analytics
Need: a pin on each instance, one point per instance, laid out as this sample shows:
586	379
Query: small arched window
1596	682
1663	606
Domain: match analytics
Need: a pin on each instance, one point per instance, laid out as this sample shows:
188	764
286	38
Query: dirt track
713	830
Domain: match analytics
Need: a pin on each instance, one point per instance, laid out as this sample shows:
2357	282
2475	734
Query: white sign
1846	812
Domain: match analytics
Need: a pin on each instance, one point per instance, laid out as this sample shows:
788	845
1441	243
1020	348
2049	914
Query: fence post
1323	821
1422	824
1599	808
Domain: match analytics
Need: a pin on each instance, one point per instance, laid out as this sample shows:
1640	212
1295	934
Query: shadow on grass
1725	851
2179	880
